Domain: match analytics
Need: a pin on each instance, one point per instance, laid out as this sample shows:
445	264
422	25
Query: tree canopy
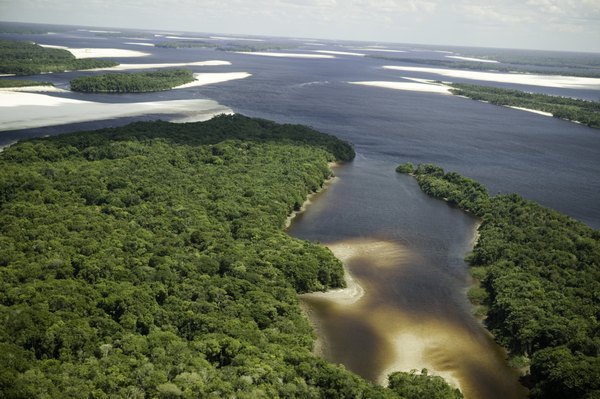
132	82
541	272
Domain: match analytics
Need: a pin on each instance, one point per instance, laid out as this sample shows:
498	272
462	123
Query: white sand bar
99	52
203	79
570	82
407	86
126	67
36	89
457	57
379	50
186	37
339	53
236	38
17	108
535	111
285	55
140	44
313	44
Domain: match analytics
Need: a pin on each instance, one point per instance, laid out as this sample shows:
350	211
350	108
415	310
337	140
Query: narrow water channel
406	306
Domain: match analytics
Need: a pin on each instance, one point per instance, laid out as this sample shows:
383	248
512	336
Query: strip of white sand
443	51
284	55
339	53
379	50
570	82
99	52
407	86
185	37
535	111
313	44
126	67
140	44
7	74
17	109
203	79
236	38
457	57
98	31
36	89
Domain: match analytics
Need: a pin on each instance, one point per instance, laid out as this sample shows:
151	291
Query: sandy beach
407	86
379	50
571	82
457	57
284	55
203	79
99	52
339	53
127	67
16	108
140	44
535	111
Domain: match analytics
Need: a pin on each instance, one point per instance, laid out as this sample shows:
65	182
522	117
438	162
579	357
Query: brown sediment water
405	306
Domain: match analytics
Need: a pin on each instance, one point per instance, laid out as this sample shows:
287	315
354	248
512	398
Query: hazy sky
542	24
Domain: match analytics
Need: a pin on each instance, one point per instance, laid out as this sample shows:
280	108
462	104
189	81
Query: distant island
139	82
582	111
540	273
151	260
26	58
228	46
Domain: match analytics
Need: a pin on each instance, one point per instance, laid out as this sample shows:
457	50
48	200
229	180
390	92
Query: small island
26	58
140	82
575	110
540	275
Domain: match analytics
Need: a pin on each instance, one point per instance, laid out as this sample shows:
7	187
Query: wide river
404	250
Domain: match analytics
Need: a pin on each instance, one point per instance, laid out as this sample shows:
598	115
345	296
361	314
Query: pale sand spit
185	37
572	82
244	39
379	50
407	86
126	67
313	44
284	55
7	74
535	111
457	57
35	89
98	31
140	44
338	53
203	79
99	52
17	108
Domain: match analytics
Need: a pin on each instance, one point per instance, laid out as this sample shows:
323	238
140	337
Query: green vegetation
25	58
22	83
420	386
150	261
586	112
541	271
406	167
132	82
186	44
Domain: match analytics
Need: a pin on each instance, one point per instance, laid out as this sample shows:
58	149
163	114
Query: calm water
414	310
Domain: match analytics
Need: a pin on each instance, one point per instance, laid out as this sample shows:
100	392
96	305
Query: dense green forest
133	82
586	112
26	58
150	261
22	83
541	272
589	71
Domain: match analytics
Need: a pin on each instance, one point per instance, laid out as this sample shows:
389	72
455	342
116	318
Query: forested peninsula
150	261
6	83
541	272
26	58
133	82
582	111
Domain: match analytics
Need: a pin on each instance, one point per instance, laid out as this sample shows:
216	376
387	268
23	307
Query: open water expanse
410	264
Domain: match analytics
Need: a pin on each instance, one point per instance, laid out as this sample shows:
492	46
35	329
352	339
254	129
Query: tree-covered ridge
26	58
541	271
4	83
133	82
227	46
583	111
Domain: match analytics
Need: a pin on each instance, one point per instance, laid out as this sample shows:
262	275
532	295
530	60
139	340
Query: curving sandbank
127	67
407	86
284	55
203	79
99	52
